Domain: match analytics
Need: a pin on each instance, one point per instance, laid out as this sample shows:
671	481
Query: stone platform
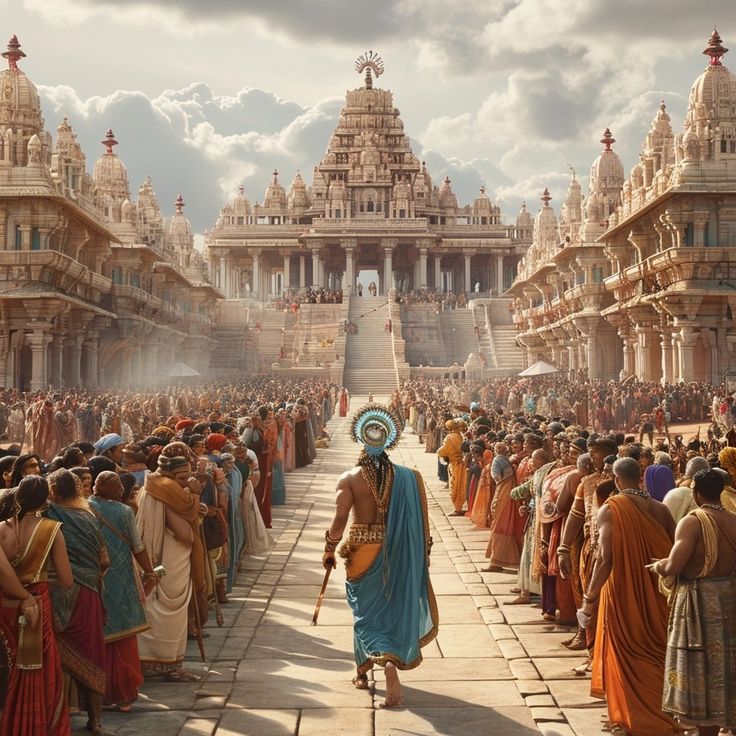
493	669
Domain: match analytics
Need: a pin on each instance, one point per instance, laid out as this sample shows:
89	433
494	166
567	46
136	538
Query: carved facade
655	290
373	206
95	289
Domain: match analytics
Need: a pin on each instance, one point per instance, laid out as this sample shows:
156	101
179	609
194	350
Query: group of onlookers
626	538
123	522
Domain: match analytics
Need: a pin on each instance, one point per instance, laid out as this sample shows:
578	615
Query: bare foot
394	696
519	600
492	568
577	643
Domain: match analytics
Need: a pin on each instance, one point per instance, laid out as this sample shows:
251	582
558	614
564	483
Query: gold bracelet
330	543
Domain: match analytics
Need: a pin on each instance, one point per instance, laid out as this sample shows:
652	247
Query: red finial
13	54
715	49
546	197
608	140
179	204
109	141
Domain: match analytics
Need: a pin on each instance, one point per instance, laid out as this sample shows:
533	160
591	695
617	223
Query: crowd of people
443	301
614	527
123	521
294	297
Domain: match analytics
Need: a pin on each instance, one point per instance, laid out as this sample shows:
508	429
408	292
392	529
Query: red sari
35	700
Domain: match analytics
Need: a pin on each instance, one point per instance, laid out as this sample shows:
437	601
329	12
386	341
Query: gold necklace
378	472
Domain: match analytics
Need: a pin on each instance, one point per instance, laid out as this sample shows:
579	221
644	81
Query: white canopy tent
540	368
180	370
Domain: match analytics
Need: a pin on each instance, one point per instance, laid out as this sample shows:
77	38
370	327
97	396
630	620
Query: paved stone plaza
493	669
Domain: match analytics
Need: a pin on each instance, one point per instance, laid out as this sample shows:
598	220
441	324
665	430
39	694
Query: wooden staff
322	593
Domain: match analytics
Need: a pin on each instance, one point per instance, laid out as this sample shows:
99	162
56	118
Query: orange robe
452	452
631	636
483	498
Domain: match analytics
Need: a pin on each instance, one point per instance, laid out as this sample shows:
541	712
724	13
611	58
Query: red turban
215	441
183	424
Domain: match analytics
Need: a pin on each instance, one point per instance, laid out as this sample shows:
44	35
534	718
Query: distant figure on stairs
388	327
344	402
360	289
372	288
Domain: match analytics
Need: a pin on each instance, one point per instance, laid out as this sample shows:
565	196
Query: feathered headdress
376	428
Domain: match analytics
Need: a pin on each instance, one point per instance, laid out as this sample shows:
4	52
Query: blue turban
107	442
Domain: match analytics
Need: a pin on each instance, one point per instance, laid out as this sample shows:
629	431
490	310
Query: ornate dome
607	171
298	198
275	197
180	227
110	175
524	219
448	199
712	99
545	226
482	205
241	204
20	106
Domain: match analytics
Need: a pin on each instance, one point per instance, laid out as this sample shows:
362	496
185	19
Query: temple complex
372	206
98	287
639	278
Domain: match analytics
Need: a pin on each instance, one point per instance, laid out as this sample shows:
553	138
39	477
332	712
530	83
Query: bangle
577	514
544	544
330	543
588	599
563	549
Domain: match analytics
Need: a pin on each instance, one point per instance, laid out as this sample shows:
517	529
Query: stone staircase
458	334
480	318
507	355
369	357
228	357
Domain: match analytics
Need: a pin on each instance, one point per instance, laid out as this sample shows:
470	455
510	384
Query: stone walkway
493	669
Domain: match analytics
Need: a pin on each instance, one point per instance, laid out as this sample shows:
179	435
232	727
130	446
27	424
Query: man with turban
168	522
111	446
451	451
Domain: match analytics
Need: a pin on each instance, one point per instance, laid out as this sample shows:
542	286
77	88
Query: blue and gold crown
376	428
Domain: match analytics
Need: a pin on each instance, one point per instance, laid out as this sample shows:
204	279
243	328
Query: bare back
364	510
726	563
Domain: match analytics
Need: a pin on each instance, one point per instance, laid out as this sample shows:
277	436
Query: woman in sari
78	611
507	527
123	593
34	702
235	528
301	434
278	488
289	459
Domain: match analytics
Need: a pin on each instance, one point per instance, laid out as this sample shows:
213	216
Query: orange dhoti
631	637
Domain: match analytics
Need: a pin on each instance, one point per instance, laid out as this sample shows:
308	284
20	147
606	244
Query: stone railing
369	223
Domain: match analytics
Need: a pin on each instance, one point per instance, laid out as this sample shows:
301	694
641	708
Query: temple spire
608	140
109	141
179	204
13	53
715	49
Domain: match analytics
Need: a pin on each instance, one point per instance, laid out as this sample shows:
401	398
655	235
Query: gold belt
365	534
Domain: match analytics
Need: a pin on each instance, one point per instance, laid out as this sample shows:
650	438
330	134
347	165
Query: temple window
117	276
402	213
35	239
18	237
689	238
240	220
338	214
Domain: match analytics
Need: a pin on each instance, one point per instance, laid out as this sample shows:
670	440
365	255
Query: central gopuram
372	207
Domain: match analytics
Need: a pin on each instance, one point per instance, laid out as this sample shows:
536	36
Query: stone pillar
287	272
572	356
257	272
315	268
90	361
349	283
302	273
467	285
423	277
667	365
73	360
223	276
38	341
688	338
388	268
644	369
499	275
56	347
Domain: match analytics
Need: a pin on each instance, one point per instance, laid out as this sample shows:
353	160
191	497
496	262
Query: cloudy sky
204	96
